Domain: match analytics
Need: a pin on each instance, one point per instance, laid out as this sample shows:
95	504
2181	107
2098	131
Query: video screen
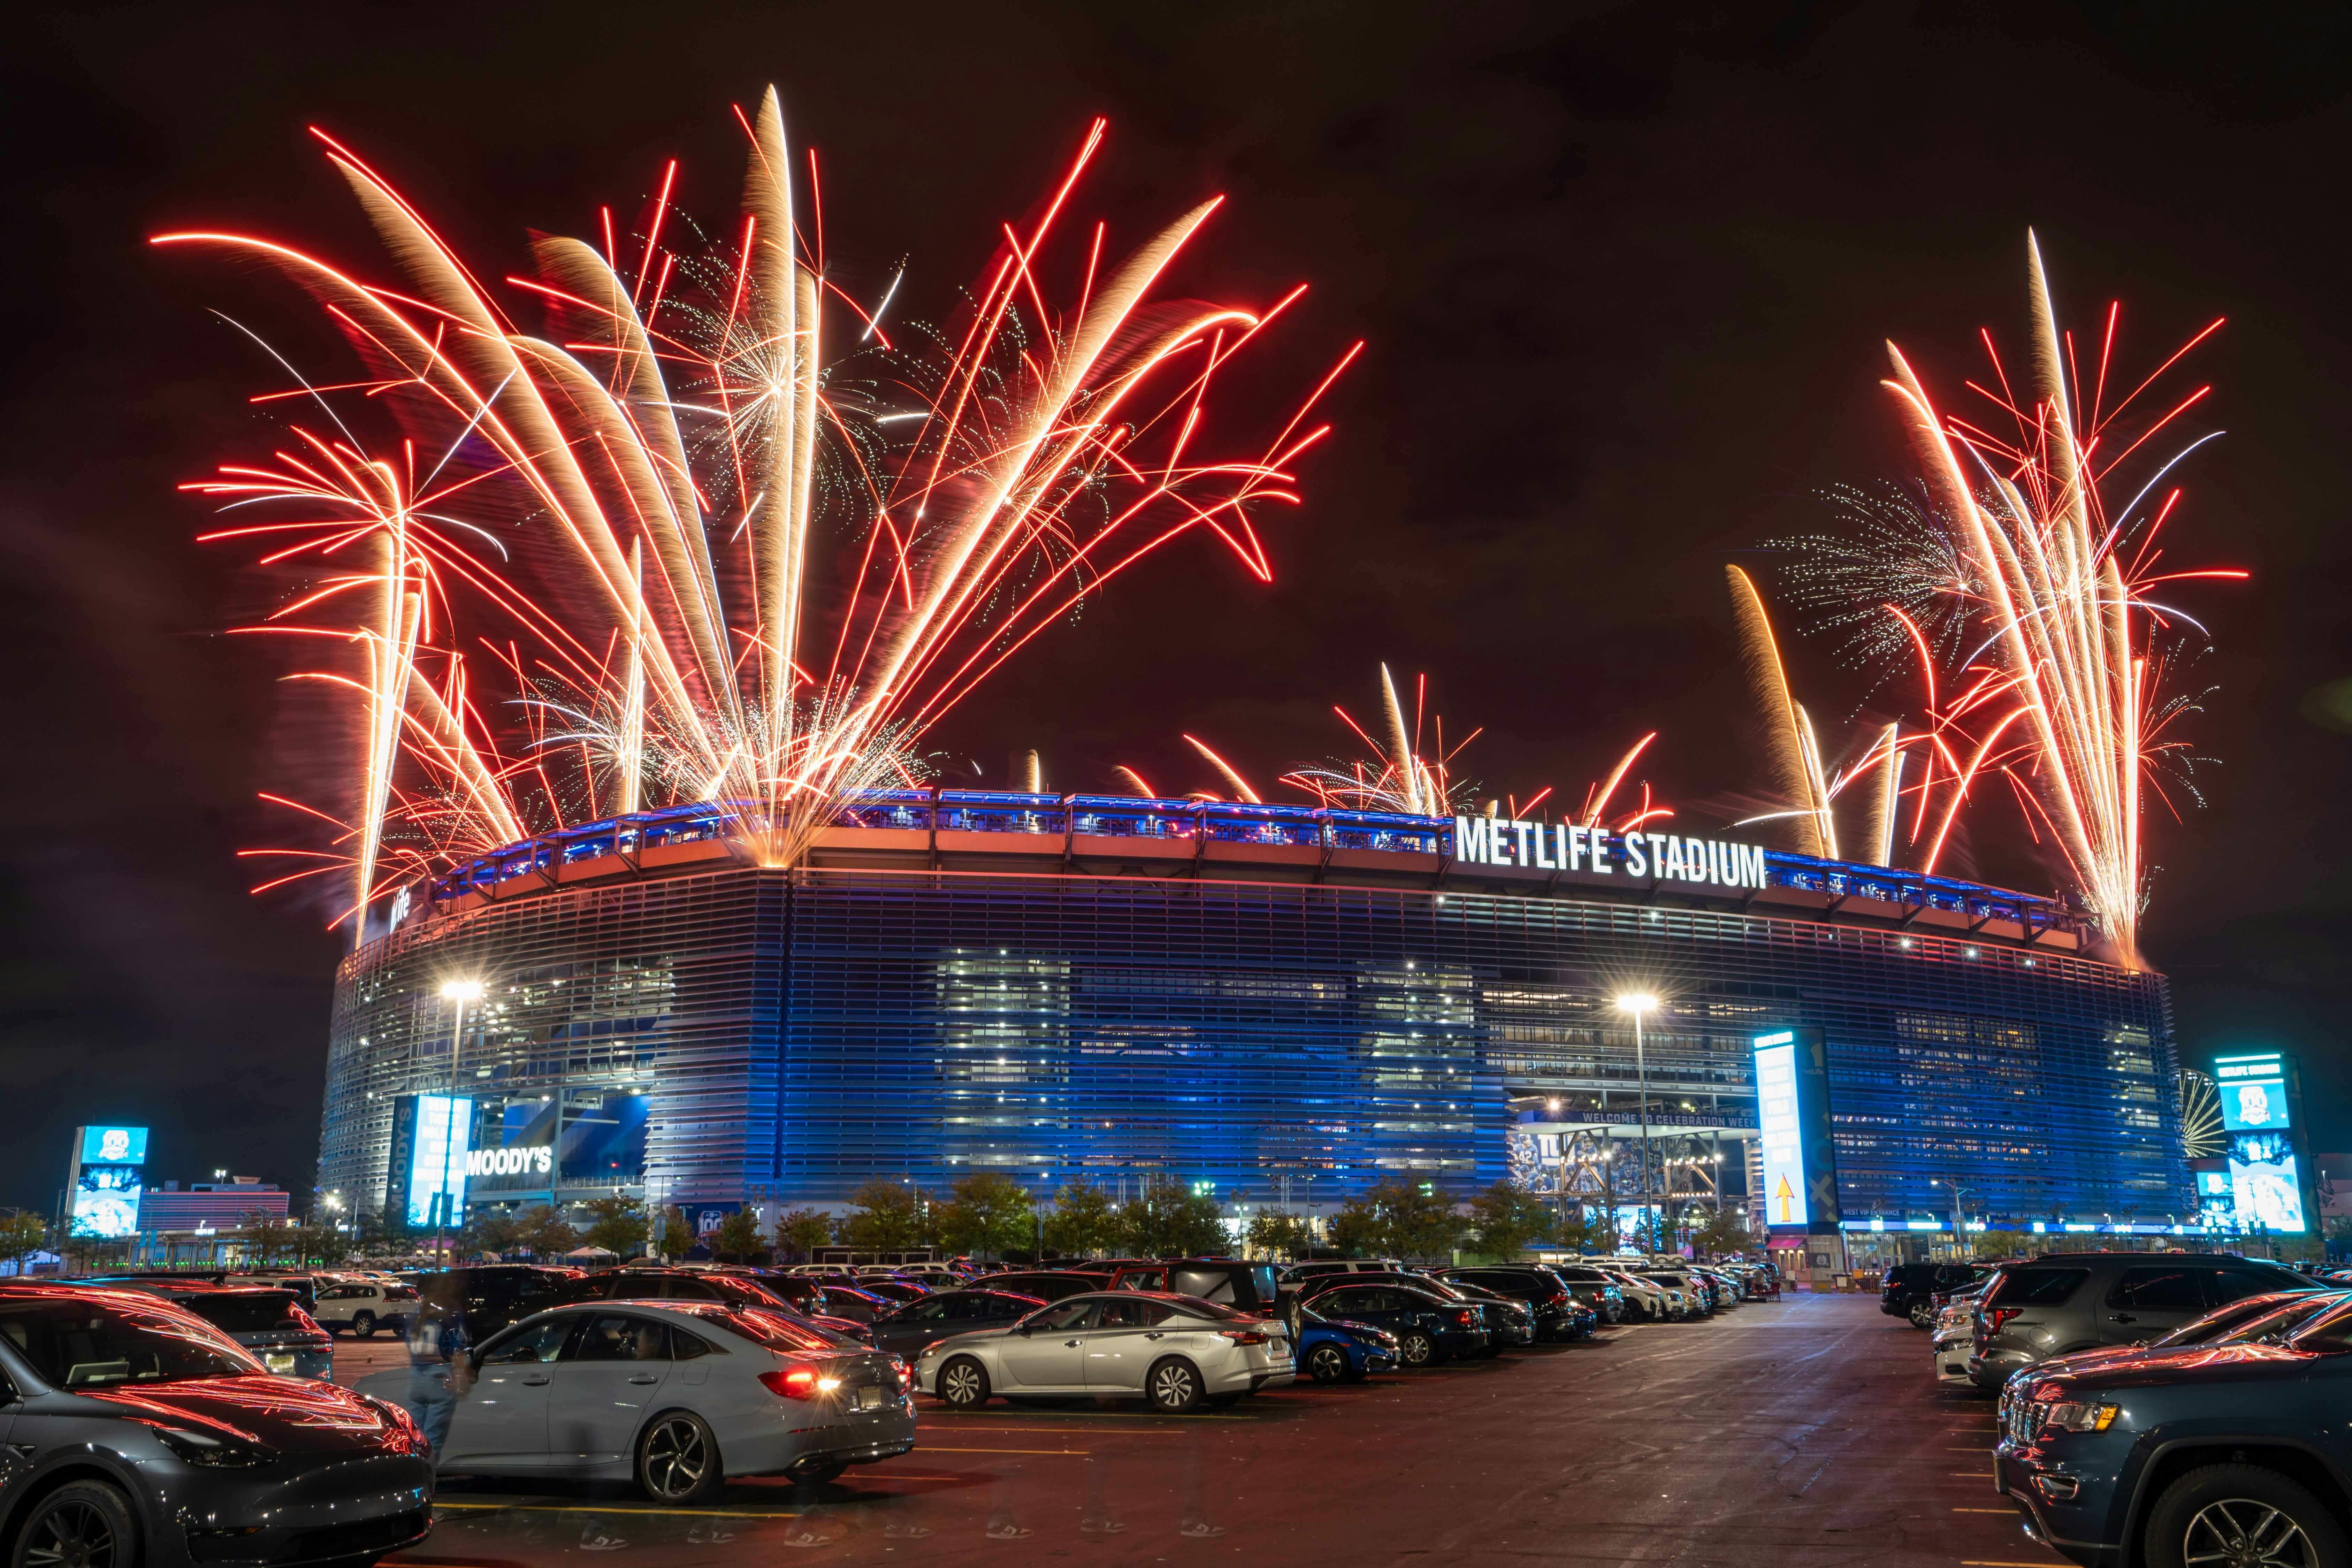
2268	1191
106	1191
2254	1105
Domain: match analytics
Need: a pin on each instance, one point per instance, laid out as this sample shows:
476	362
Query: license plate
280	1361
869	1398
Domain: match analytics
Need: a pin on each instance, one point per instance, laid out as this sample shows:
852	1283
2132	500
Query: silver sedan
676	1395
1178	1351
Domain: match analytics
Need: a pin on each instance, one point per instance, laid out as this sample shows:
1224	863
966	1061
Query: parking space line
2011	1512
934	1449
439	1503
1105	1431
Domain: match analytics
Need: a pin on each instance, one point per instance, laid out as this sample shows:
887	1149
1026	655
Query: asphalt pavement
1793	1434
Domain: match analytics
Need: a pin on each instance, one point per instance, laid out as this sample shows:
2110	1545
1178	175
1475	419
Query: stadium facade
1287	1004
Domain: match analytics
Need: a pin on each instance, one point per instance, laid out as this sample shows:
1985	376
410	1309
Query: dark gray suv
2068	1301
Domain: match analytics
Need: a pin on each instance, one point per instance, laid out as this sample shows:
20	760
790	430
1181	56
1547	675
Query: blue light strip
1129	817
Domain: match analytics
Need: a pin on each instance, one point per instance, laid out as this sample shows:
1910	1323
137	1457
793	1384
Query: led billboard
2254	1105
432	1135
2257	1093
1780	1131
109	1173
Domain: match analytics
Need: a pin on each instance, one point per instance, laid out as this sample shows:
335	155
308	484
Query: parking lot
1800	1431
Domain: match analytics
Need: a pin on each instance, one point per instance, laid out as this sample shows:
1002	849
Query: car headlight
2074	1416
205	1448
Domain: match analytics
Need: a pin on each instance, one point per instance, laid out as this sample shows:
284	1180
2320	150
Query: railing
931	812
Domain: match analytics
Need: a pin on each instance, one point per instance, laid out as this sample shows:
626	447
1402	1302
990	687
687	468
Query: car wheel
83	1525
363	1325
1327	1364
2242	1514
1923	1315
1415	1348
962	1383
1172	1386
678	1459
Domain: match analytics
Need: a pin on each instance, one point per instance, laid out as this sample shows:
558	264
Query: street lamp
1638	1002
457	993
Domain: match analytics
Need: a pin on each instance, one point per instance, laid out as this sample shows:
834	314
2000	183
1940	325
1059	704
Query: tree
677	1232
21	1236
987	1212
617	1225
267	1237
1168	1219
1083	1222
491	1231
1278	1232
1586	1230
1506	1219
888	1218
737	1238
320	1245
1397	1218
545	1232
1725	1231
386	1229
800	1232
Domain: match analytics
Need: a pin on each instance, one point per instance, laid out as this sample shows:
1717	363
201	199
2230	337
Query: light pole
1638	1002
457	993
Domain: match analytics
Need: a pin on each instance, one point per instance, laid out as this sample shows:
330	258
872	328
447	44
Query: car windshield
2282	1320
778	1332
243	1312
1194	1307
93	1344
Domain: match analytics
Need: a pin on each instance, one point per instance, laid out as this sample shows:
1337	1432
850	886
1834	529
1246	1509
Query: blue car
1333	1350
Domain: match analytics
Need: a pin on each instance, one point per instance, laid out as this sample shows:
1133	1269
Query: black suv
1909	1289
2217	1454
2066	1302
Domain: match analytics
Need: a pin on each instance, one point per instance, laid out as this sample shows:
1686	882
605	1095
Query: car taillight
1990	1318
798	1382
304	1320
1243	1336
1466	1317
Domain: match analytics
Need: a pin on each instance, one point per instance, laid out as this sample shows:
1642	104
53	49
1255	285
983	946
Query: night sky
1625	275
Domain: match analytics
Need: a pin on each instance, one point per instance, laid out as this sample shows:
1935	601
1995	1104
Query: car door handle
1072	1344
645	1377
1153	1335
2123	1318
534	1382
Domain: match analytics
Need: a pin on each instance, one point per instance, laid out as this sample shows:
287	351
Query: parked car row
2165	1408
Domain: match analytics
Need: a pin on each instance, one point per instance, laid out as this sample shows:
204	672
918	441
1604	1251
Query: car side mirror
1022	1329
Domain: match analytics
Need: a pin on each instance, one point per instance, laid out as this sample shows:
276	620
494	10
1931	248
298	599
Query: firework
2016	559
617	520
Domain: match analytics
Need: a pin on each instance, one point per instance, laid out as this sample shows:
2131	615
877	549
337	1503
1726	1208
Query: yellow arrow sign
1783	1197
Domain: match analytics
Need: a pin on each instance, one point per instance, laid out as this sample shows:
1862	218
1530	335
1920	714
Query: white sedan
1178	1351
676	1395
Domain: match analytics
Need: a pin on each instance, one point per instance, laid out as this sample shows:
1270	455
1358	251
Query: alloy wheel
961	1384
676	1459
2239	1532
1328	1364
1415	1350
1173	1386
72	1535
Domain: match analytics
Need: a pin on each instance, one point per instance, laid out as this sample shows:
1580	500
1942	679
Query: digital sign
2257	1095
2269	1193
2254	1105
1565	846
1781	1131
435	1130
109	1174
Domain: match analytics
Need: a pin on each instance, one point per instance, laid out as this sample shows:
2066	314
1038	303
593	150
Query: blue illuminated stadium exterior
1262	998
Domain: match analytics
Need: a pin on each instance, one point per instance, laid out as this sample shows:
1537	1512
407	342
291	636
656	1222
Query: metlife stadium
1282	1002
